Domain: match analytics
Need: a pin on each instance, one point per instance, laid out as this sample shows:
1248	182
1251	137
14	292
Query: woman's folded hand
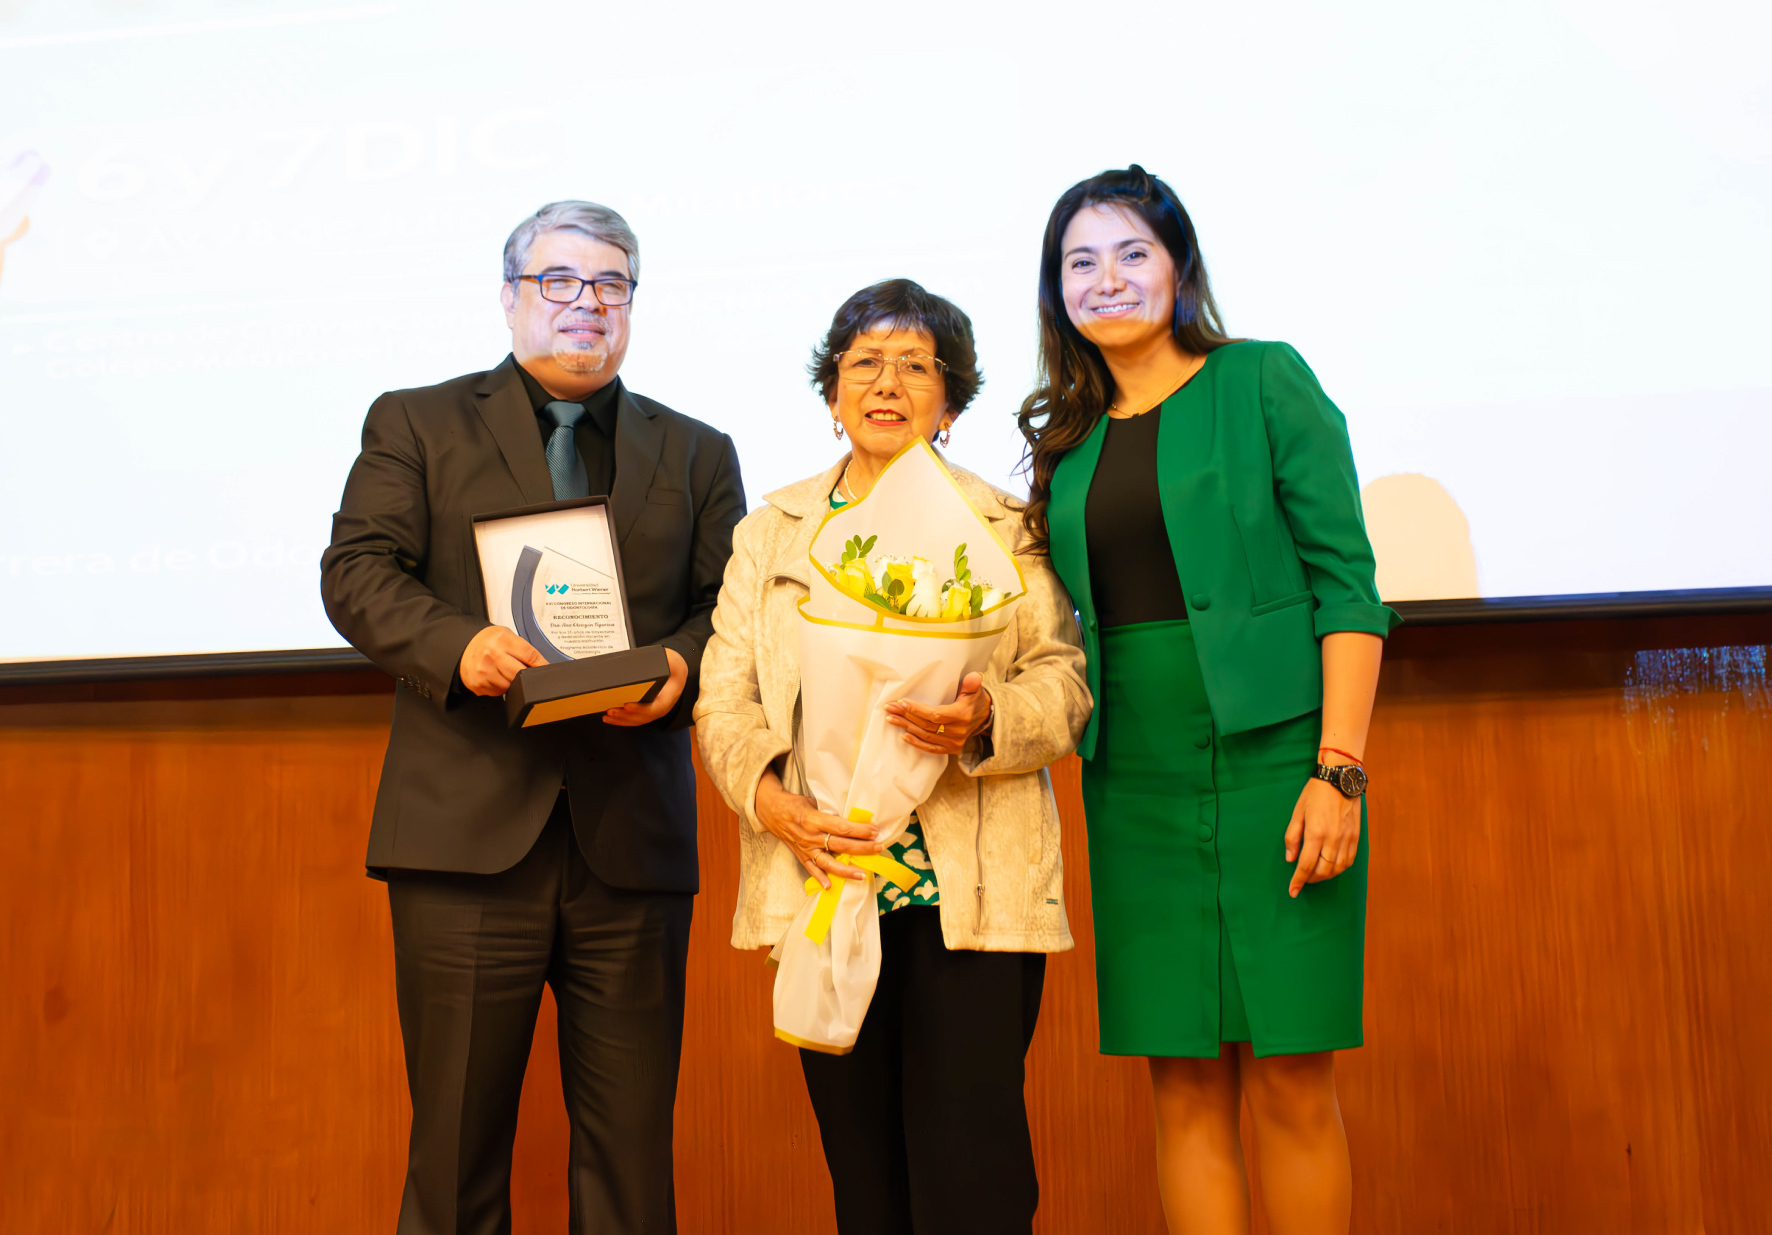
816	838
943	729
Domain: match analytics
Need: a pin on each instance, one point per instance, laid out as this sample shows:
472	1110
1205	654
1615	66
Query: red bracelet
1358	762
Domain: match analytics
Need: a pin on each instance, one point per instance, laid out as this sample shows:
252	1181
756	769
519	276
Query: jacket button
1202	602
1205	831
1201	743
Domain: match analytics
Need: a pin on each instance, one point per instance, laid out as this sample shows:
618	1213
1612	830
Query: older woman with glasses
924	1124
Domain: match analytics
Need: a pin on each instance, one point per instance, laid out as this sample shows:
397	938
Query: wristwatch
1349	778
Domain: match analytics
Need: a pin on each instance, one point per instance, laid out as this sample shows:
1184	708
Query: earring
947	435
836	428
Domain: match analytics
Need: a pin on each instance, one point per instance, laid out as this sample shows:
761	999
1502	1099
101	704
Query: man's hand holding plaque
493	659
561	643
629	714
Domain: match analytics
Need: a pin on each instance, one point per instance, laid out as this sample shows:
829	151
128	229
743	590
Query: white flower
925	598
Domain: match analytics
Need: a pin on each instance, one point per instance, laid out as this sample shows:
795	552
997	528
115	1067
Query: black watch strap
1349	779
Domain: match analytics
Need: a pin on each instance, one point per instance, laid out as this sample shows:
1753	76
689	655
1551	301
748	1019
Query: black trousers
924	1123
471	954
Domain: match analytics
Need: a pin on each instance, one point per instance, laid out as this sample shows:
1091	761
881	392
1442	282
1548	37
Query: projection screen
1524	244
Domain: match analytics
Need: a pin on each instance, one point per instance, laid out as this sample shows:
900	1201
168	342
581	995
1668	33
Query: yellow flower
956	603
900	571
853	578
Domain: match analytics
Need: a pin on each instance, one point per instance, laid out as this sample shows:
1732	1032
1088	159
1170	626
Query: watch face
1353	781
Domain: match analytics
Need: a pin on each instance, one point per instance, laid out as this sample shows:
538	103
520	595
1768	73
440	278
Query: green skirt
1196	941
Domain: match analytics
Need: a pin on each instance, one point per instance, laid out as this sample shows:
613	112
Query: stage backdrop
1524	244
1566	998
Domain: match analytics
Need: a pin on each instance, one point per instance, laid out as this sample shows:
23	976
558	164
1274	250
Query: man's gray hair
598	222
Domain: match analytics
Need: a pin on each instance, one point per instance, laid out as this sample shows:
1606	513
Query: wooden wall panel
1569	966
197	1033
1567	970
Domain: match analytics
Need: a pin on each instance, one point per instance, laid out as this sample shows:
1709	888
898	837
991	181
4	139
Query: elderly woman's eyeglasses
915	369
566	288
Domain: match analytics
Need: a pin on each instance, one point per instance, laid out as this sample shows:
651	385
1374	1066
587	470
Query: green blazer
1263	510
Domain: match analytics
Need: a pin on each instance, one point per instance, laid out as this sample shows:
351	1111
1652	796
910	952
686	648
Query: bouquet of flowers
907	586
882	623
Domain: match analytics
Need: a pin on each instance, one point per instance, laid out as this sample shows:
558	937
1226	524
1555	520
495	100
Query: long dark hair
1074	386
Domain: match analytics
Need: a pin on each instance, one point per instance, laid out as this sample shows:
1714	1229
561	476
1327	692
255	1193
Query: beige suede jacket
991	826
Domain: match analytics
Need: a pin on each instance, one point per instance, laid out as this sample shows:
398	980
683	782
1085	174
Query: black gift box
571	688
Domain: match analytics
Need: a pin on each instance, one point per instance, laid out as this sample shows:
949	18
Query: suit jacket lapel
1186	476
1066	529
807	502
639	440
504	406
792	564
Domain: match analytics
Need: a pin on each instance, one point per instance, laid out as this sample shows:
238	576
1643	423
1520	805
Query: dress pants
471	953
924	1123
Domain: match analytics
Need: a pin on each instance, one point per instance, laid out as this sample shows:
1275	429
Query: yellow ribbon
874	863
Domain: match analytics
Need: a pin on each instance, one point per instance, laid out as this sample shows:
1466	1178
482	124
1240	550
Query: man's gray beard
574	361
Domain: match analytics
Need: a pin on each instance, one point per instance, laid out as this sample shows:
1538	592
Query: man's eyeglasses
566	288
915	369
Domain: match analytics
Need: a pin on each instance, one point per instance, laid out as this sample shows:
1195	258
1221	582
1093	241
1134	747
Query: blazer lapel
1186	477
504	406
639	441
806	502
1067	531
792	563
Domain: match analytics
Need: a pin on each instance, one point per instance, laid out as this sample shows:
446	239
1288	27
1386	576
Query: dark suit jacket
461	791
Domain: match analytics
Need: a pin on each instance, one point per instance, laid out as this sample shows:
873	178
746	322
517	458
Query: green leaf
977	599
848	554
895	588
869	547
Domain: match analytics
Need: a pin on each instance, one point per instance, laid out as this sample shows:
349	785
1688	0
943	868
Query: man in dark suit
564	853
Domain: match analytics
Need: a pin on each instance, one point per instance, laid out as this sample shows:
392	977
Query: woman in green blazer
1197	496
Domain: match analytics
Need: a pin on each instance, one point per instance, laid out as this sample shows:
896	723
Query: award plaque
553	575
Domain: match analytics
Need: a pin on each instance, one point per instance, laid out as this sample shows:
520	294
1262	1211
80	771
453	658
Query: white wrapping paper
854	659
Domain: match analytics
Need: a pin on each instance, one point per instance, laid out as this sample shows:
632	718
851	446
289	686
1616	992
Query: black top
1131	569
594	434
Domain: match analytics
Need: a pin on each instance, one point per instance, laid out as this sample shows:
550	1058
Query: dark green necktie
564	465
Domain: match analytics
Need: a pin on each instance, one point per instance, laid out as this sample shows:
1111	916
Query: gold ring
941	728
827	842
